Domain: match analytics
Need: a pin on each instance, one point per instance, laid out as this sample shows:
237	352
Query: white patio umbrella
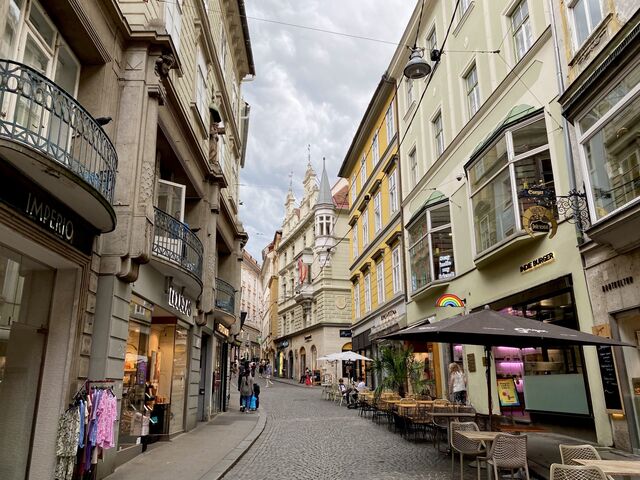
350	356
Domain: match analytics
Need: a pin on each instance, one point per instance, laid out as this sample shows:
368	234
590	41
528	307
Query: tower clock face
341	302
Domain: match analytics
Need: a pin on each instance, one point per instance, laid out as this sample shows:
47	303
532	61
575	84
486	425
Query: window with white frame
521	29
323	225
202	102
356	299
375	149
389	121
173	20
353	189
432	41
585	17
363	170
395	269
409	89
377	212
393	190
354	240
472	90
609	147
380	281
463	6
367	292
223	48
365	227
413	168
438	134
431	247
517	159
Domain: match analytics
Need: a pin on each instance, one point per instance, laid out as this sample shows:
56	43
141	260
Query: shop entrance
155	372
205	375
290	365
628	324
26	287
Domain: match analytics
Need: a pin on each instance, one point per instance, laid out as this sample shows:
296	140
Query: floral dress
67	443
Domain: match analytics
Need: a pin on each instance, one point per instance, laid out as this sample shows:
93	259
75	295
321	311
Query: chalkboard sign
610	386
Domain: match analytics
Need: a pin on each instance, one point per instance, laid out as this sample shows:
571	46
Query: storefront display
26	287
154	380
535	372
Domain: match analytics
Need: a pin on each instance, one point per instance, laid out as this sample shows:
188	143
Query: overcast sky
310	88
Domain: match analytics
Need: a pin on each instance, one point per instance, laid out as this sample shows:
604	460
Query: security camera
459	176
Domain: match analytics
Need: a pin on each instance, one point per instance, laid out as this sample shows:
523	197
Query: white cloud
310	88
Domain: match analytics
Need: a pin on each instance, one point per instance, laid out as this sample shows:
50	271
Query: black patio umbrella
492	329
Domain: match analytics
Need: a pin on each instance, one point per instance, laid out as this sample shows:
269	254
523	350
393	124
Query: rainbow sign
449	300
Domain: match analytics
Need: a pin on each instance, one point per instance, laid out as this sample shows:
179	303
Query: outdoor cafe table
479	435
614	467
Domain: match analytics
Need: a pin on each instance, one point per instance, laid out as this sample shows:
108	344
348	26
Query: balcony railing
36	112
225	296
175	242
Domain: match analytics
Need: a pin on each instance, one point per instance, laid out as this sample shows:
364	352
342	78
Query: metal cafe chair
508	452
576	472
464	446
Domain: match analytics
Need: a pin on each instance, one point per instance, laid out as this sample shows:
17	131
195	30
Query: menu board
610	386
507	393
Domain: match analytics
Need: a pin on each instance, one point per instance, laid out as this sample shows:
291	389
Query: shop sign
41	208
538	262
444	264
507	392
539	219
307	338
178	301
283	344
345	333
386	320
221	329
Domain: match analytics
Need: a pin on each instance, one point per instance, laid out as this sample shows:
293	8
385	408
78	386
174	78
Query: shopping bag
252	403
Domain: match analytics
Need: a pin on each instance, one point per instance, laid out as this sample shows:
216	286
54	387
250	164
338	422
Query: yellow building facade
375	236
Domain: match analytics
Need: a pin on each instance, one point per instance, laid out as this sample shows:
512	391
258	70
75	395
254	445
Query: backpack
256	389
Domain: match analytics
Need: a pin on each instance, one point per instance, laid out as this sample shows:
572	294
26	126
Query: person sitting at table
360	387
345	391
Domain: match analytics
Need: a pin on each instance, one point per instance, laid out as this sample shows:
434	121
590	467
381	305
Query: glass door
171	198
26	287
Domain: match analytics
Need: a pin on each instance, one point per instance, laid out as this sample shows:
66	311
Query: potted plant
399	369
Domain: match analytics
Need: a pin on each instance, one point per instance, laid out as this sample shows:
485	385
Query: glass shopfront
155	376
25	288
526	376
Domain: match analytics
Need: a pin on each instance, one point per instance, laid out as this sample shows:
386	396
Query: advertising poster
507	393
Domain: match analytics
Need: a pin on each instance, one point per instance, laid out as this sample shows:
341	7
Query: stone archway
303	360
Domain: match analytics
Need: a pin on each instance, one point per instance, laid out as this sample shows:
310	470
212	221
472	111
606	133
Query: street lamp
417	67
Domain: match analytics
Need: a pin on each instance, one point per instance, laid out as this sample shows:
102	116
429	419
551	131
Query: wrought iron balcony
40	115
225	296
174	242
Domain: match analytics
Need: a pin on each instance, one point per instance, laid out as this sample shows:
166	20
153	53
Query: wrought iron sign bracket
572	206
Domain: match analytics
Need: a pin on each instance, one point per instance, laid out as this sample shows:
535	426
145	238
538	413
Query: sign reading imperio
40	207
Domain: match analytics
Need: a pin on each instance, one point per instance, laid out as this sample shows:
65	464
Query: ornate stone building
314	311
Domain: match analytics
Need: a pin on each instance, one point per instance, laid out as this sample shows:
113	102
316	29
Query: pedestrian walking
457	384
253	369
261	368
268	371
256	394
246	391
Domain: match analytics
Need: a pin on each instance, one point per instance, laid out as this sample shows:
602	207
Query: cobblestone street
307	437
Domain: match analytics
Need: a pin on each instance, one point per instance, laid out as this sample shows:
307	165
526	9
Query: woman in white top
457	384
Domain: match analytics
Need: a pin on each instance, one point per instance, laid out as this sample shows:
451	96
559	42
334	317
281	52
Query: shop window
519	158
610	153
26	288
431	247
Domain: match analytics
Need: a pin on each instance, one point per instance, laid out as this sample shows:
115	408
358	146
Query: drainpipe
565	124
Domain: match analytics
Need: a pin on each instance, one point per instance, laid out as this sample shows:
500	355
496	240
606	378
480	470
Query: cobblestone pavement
307	437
